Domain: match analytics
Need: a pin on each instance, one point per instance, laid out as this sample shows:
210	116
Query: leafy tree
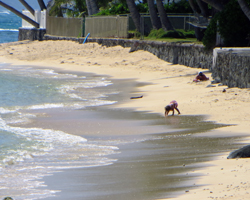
89	7
114	9
178	7
233	26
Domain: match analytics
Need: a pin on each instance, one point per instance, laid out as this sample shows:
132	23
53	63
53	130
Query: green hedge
171	34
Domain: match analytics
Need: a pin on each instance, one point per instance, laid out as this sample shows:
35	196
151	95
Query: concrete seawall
229	65
31	34
232	66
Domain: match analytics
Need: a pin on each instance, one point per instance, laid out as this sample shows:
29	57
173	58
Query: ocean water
9	25
142	167
28	154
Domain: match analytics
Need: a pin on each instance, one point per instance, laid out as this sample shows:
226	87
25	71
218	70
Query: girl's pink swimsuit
174	104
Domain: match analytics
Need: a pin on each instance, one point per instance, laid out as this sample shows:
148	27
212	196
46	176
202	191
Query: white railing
40	18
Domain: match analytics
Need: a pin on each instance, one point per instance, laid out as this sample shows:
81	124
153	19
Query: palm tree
92	7
165	23
193	6
245	8
216	4
203	7
156	23
136	17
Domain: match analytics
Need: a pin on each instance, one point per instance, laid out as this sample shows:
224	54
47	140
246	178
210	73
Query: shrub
209	39
170	34
233	26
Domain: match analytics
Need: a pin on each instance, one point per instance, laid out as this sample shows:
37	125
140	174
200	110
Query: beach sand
223	178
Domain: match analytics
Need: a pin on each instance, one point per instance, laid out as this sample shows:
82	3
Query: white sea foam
54	74
96	84
14	30
35	152
98	102
6	69
51	151
46	106
5	110
5	12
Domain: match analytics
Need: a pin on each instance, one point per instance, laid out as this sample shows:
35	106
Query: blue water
27	154
9	25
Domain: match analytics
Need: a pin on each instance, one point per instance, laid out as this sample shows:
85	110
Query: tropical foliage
181	6
68	7
114	9
157	34
232	25
230	18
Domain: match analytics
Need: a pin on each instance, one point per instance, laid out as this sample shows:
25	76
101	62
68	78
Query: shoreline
166	82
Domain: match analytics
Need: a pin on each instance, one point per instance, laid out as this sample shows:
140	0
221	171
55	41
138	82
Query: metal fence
103	26
68	27
107	26
179	21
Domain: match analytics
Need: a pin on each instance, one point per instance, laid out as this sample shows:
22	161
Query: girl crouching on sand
171	107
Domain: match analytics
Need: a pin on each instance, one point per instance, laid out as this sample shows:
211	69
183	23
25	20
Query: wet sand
218	177
160	163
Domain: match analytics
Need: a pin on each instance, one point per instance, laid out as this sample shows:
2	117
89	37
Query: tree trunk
245	8
92	7
89	8
203	7
193	6
136	17
35	24
41	4
216	4
50	4
28	7
165	23
156	23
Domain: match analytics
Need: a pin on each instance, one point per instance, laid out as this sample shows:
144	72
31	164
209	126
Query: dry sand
224	179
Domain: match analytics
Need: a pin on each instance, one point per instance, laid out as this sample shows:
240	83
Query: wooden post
41	4
26	5
35	24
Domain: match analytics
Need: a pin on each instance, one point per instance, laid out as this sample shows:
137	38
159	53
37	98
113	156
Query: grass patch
177	36
175	40
179	33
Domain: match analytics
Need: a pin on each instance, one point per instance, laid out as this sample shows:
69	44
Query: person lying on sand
171	107
200	77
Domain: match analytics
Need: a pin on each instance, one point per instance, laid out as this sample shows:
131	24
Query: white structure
40	18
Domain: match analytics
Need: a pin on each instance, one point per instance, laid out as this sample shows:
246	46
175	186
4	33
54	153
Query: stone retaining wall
184	54
230	66
31	34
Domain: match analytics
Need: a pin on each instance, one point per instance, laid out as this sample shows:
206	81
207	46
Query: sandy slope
225	179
